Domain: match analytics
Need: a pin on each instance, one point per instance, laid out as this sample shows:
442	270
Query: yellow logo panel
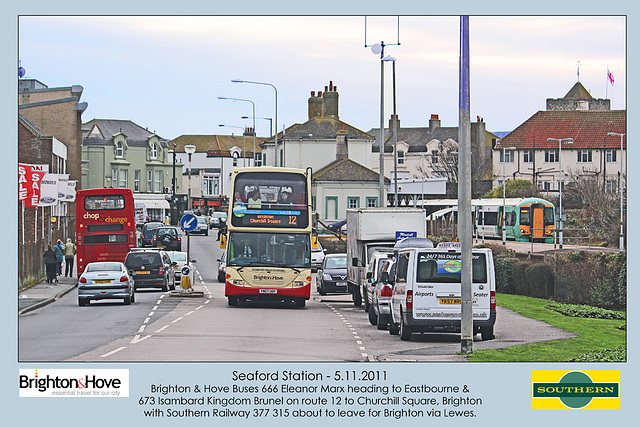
588	389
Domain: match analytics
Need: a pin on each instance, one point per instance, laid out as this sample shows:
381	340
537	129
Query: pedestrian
59	250
50	261
69	255
222	228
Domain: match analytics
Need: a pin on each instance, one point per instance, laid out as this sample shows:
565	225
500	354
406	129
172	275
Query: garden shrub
540	278
519	276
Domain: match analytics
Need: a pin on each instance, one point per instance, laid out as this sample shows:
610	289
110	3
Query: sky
167	72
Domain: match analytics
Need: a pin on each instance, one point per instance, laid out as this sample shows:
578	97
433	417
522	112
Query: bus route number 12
293	220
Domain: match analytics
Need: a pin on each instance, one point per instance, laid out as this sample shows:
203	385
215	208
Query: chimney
330	98
342	145
391	123
315	105
434	122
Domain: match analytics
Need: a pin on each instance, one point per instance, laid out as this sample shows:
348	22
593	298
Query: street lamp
244	144
263	118
275	161
504	193
254	117
173	188
395	129
189	149
621	135
560	223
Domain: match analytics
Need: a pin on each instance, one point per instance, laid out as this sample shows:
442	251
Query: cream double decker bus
269	236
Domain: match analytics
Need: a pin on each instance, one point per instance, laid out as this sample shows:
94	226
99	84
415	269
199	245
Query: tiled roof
588	128
346	170
323	128
216	145
110	127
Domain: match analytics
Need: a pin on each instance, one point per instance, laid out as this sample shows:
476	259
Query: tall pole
383	202
465	229
620	188
504	194
395	136
174	208
560	221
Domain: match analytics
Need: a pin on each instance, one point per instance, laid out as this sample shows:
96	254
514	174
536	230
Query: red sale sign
29	178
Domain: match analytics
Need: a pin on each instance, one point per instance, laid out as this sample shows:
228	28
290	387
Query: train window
510	219
548	216
524	216
491	218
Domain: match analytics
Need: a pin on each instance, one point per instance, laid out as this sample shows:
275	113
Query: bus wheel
233	301
300	303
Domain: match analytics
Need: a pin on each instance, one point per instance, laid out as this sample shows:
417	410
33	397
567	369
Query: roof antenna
578	68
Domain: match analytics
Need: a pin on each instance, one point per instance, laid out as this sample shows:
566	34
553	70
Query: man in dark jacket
51	264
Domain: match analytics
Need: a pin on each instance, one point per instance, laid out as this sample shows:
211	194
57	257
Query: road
160	327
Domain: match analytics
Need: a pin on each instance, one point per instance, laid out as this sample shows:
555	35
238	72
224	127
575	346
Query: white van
427	292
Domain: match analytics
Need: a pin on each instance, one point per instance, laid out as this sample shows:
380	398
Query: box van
427	291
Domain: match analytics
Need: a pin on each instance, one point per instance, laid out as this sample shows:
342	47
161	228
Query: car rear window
149	229
107	266
336	262
140	259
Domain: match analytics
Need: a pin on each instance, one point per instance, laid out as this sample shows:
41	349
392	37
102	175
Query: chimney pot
313	93
434	117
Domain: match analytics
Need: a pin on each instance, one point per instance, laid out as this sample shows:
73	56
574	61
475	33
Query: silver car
179	261
105	280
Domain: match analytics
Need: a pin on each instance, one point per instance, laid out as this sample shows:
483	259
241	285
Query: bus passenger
254	200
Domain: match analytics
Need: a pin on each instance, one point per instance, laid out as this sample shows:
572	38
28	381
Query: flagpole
606	91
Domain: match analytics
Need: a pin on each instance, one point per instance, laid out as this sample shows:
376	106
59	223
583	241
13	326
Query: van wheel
393	327
373	319
383	321
127	301
367	306
357	298
405	332
487	333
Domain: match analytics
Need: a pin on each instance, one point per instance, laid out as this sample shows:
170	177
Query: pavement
44	293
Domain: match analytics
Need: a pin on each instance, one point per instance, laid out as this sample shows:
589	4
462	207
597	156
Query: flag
610	77
29	180
49	190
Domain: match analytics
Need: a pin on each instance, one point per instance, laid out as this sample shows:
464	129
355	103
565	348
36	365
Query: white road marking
163	328
112	352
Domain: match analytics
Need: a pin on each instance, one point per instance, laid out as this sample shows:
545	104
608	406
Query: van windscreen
443	267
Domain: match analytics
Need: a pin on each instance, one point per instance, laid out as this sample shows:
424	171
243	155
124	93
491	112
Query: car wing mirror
193	261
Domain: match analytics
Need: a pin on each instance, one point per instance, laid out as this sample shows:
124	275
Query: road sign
188	222
185	270
404	234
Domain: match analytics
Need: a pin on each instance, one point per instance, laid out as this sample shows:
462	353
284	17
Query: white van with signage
427	291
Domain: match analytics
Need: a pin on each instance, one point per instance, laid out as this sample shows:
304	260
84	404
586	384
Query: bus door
537	221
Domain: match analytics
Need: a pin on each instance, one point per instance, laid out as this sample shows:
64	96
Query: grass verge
595	335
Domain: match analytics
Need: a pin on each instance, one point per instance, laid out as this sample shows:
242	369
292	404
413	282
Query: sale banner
29	183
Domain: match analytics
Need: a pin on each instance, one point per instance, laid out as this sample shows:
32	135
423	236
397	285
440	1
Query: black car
147	232
167	238
150	268
332	275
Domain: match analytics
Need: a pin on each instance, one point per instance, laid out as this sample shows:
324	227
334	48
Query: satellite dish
21	72
376	48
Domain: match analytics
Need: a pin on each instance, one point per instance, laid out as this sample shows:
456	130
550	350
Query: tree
515	188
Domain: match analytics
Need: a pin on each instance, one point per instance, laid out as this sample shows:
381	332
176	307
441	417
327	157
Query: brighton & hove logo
590	389
73	383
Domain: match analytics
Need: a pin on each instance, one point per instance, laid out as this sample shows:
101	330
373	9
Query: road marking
163	328
137	339
141	328
113	352
147	320
191	312
178	319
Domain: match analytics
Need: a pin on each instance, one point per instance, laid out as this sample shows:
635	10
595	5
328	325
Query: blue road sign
403	234
188	222
185	270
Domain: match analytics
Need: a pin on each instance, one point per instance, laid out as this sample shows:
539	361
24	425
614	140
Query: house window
527	156
507	156
136	180
584	156
235	160
611	186
119	150
264	159
210	185
434	157
149	181
257	159
124	174
158	182
544	185
401	157
153	152
611	156
331	208
372	202
114	178
353	202
551	156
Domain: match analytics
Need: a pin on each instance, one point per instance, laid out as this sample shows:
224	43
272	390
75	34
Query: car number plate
341	284
102	281
268	291
450	300
143	272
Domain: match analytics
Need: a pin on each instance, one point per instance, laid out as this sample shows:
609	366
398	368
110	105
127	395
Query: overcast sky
165	73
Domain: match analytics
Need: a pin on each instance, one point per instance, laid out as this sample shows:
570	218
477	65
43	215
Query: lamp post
174	208
263	118
560	222
244	144
253	115
395	130
189	149
621	135
504	192
275	161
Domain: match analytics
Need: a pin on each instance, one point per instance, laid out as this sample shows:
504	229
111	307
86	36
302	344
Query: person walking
69	255
50	261
59	250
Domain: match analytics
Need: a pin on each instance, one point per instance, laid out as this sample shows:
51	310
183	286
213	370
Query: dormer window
153	152
119	150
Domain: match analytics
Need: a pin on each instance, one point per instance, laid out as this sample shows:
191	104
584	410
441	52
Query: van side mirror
193	261
354	262
369	275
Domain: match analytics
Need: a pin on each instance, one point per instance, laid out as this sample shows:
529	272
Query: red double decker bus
105	225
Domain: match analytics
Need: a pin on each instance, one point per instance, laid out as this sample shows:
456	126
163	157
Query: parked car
372	273
147	233
216	218
150	268
179	261
105	280
202	227
167	238
222	267
332	275
380	309
317	256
